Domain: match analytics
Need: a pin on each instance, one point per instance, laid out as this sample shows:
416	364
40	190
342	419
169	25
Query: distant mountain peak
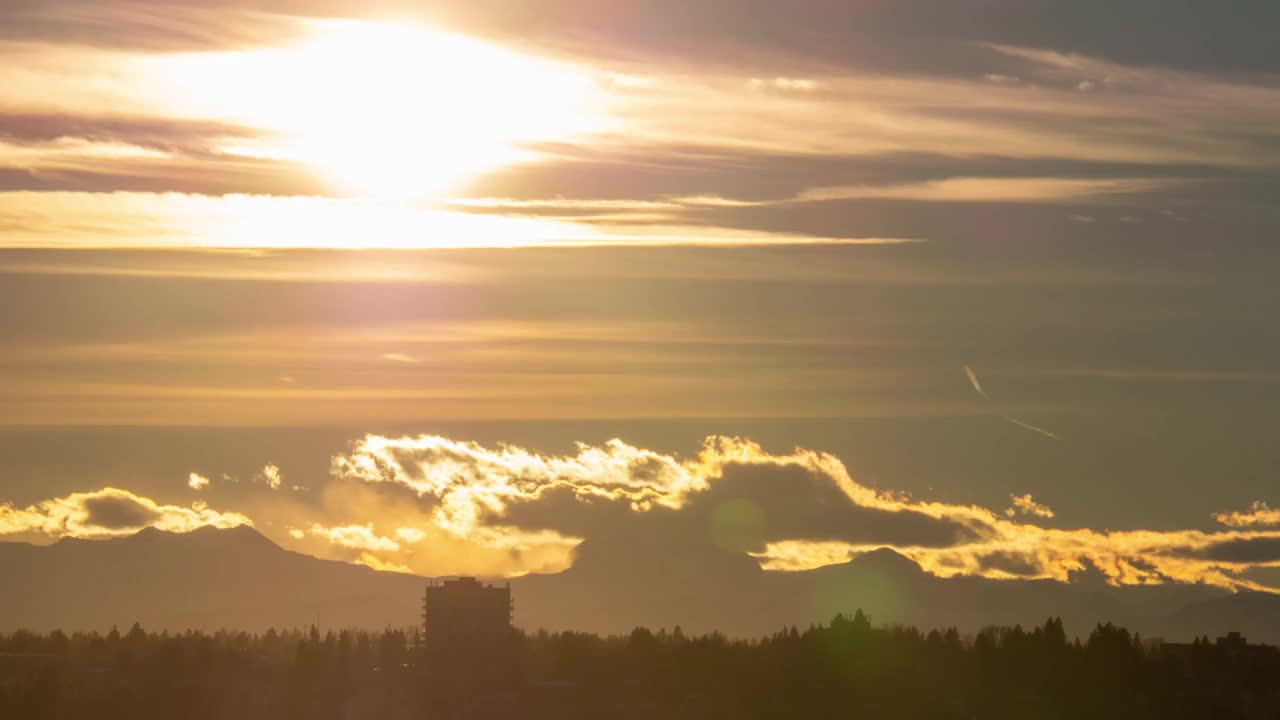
148	534
239	535
154	534
233	531
207	578
886	560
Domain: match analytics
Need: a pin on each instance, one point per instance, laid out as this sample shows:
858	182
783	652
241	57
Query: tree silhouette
847	668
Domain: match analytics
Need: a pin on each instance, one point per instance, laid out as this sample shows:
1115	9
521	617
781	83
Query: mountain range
237	578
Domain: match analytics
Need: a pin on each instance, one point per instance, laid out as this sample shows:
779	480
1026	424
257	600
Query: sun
389	109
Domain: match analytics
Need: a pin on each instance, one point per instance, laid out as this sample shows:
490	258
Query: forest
844	669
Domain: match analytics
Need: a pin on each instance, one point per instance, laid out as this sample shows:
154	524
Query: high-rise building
465	609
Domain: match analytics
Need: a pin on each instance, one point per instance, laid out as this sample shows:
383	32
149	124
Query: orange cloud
1026	505
1258	514
106	513
373	561
474	488
270	474
358	537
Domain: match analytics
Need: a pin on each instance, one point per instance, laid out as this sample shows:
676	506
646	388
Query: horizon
208	579
211	530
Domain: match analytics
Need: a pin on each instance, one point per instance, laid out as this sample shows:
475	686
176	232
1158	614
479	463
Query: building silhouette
1233	644
465	611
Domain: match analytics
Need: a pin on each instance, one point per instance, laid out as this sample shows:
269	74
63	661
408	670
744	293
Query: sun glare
388	110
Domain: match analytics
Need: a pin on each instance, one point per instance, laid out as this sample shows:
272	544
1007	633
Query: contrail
1030	427
973	380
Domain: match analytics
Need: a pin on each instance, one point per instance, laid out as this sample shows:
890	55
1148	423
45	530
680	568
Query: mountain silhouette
237	578
207	578
1255	614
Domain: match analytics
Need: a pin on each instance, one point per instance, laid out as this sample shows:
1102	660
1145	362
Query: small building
465	609
1232	642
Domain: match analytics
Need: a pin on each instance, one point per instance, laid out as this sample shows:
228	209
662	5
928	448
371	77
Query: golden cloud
270	474
1258	514
1027	505
373	561
357	537
473	488
108	512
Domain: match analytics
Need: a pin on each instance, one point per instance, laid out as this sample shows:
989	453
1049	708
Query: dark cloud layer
1015	564
1245	550
799	504
748	507
119	512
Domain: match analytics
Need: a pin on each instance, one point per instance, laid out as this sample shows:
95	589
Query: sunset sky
449	287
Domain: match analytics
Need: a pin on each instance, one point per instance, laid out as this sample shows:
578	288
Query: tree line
842	669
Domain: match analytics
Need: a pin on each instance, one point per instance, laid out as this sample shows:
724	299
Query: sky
451	287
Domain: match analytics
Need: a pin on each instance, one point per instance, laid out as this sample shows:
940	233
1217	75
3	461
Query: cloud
785	83
1039	190
400	358
795	501
144	25
1121	557
155	133
790	512
994	189
1010	564
356	537
113	512
1246	550
65	134
1258	514
373	561
270	474
434	505
868	114
172	220
108	512
909	35
466	477
410	535
701	152
563	204
1026	505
